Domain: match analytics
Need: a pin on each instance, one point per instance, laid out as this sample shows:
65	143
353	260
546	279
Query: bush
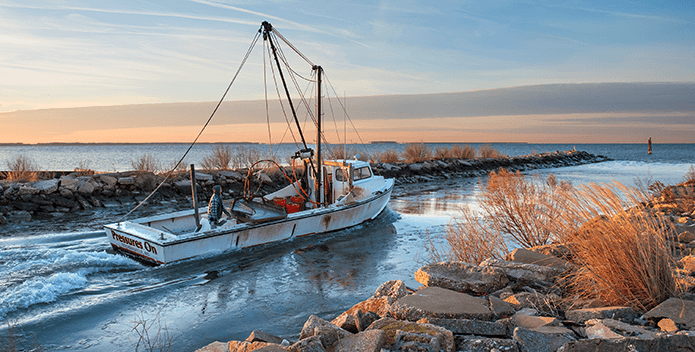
416	152
462	152
387	156
245	157
487	151
690	175
22	168
219	159
146	163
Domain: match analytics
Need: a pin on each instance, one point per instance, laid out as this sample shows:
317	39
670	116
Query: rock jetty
21	202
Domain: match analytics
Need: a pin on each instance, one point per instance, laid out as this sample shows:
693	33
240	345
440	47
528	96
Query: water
65	291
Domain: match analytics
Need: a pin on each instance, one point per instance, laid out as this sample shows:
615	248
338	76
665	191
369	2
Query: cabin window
340	175
362	173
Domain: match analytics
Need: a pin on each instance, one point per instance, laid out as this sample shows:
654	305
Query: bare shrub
146	163
487	151
387	156
471	240
416	152
219	159
341	152
462	152
689	176
245	157
151	335
442	153
622	249
83	168
22	168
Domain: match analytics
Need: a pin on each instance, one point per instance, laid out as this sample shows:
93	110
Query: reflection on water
435	198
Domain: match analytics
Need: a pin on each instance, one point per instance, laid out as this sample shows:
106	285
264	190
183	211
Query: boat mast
319	174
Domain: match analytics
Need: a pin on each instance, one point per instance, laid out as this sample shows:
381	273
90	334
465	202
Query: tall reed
22	168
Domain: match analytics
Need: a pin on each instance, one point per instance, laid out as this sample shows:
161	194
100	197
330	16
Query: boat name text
129	241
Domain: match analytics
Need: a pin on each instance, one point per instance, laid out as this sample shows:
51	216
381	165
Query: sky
156	55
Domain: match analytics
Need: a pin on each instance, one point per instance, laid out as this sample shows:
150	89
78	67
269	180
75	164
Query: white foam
40	290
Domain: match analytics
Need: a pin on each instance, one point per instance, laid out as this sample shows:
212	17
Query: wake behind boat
330	195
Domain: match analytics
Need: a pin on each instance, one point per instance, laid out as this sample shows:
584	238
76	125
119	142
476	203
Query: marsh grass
462	151
219	159
387	156
487	151
416	152
623	252
146	163
442	153
22	168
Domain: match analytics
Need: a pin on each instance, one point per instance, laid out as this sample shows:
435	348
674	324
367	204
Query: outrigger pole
319	176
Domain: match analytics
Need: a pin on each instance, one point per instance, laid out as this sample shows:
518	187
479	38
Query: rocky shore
498	305
55	198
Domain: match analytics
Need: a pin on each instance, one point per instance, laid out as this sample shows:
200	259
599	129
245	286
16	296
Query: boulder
19	216
667	325
199	176
365	341
682	312
485	344
393	289
328	333
347	322
462	277
215	347
528	272
623	329
392	327
244	346
260	336
379	305
469	327
231	175
522	255
108	180
437	302
264	178
27	190
500	308
528	321
85	187
686	237
47	186
536	300
129	180
69	183
309	344
600	331
666	343
3	220
615	312
543	339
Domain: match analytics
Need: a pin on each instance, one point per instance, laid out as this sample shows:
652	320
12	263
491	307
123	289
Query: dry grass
462	151
387	156
487	151
244	156
689	176
442	153
416	152
151	335
621	249
219	159
624	255
146	163
513	209
22	168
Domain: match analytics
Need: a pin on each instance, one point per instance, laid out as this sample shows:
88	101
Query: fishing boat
330	195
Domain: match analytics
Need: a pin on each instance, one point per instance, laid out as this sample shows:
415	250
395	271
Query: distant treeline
118	143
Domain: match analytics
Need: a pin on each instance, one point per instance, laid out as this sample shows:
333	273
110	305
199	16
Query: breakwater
22	202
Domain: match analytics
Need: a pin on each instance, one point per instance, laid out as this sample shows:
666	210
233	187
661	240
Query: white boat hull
150	240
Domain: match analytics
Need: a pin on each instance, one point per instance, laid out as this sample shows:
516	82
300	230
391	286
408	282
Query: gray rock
600	331
500	308
666	343
70	183
363	320
413	341
327	332
126	180
528	272
521	319
260	336
3	220
616	312
682	312
416	167
309	344
347	322
108	180
215	347
437	302
365	341
26	189
522	255
485	344
469	327
462	277
263	178
47	186
85	187
19	216
393	289
231	175
543	339
391	327
66	193
199	176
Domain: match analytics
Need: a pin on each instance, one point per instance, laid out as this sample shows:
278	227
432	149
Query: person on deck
216	207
